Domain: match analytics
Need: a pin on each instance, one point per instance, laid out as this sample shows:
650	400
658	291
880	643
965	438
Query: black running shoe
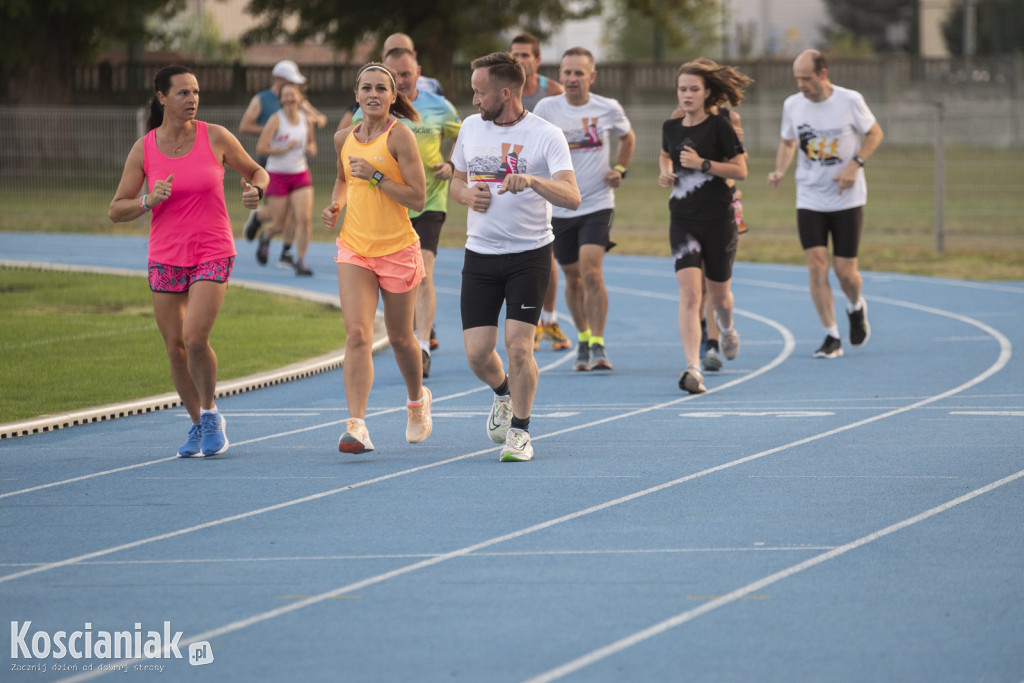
433	339
831	348
860	330
426	363
252	226
263	251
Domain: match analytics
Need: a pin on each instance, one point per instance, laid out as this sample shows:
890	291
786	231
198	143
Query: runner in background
525	47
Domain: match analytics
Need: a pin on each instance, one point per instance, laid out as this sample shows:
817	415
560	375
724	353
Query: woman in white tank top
286	140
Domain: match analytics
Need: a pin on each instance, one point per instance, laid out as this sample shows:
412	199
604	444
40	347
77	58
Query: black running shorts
572	233
519	281
428	226
844	226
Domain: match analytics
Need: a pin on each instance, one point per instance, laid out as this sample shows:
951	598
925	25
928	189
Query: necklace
513	121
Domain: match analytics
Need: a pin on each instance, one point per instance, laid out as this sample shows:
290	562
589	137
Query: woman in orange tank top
380	177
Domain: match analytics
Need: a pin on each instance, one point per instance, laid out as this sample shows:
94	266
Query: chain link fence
946	176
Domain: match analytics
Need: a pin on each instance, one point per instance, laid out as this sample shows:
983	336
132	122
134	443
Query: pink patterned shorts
165	278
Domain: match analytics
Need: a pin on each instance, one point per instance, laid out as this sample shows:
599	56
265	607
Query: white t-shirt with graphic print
588	129
518	222
828	136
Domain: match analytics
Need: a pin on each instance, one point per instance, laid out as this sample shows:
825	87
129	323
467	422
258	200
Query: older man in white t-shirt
582	236
836	134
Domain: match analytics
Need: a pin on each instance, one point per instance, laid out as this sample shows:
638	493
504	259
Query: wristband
377	178
142	203
621	169
260	191
452	164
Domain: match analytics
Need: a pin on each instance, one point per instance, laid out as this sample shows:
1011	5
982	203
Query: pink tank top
193	226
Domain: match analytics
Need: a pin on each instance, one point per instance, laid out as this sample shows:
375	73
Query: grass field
74	340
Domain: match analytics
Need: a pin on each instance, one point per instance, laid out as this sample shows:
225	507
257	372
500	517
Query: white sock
425	345
548	317
833	332
851	307
204	411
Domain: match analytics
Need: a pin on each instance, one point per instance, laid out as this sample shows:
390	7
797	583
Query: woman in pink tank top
191	246
380	177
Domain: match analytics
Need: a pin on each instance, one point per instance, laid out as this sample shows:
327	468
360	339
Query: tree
887	24
41	41
998	24
442	30
665	31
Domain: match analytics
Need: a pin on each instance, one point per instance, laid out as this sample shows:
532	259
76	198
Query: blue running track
858	519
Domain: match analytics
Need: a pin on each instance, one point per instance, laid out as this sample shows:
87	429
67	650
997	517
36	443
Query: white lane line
86	476
778	360
989	413
668	624
406	556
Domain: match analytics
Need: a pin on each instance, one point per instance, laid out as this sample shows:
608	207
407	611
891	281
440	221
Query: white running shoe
517	446
420	423
500	418
355	439
692	380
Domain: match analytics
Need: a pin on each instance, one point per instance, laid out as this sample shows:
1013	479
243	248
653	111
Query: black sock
523	424
713	344
502	390
285	249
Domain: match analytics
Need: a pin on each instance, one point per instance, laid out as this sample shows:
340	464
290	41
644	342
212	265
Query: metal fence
882	79
946	174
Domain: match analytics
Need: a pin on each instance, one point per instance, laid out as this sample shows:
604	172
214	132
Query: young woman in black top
698	153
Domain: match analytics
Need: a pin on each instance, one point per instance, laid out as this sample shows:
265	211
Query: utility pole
970	36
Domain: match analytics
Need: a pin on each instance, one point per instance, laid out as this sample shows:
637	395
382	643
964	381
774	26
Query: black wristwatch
705	165
860	161
259	191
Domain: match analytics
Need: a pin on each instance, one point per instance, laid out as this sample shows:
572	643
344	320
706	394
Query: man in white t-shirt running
836	134
510	167
588	122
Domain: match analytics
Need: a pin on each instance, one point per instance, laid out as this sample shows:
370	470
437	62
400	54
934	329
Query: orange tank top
375	224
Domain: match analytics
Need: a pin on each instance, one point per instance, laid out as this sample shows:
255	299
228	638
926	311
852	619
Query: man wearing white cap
261	107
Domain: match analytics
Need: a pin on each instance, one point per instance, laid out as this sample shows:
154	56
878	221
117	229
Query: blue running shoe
192	446
215	440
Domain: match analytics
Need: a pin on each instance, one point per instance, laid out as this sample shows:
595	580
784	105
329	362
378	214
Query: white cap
289	71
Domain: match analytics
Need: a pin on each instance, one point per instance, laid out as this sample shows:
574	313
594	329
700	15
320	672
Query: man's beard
490	114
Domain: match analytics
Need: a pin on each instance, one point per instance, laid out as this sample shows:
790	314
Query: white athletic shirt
294	160
828	136
519	222
588	129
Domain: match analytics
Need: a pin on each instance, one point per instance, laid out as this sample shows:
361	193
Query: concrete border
288	373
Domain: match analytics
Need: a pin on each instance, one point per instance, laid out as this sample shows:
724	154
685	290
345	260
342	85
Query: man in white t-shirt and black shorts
510	167
588	122
836	134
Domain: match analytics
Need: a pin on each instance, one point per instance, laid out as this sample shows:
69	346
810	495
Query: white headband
382	68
